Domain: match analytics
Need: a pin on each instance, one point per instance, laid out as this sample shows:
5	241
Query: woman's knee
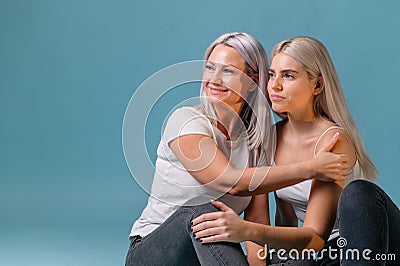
197	210
358	192
198	206
359	187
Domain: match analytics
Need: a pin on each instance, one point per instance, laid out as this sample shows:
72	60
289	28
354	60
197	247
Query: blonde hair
256	111
330	103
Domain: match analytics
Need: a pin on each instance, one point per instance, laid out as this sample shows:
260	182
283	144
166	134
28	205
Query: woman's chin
215	100
277	109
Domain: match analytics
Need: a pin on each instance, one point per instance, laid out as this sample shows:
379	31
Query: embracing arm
200	155
318	223
228	226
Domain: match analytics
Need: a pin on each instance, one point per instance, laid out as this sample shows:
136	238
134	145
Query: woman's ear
319	85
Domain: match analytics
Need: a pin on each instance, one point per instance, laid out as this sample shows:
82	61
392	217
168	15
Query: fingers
344	158
329	145
212	232
208	232
340	172
209	220
206	217
205	225
220	205
212	239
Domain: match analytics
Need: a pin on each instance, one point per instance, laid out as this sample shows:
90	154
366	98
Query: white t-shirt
173	185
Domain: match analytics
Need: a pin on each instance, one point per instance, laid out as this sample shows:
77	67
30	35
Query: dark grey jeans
173	243
369	227
368	219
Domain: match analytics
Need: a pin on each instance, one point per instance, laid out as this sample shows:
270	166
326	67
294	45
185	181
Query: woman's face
224	78
289	87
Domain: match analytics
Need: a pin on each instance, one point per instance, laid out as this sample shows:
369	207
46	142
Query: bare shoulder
344	143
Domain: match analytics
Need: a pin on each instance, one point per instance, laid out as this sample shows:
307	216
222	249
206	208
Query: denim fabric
368	219
324	259
276	261
173	243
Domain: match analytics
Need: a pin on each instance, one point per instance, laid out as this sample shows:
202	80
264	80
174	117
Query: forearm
257	212
201	157
261	180
287	238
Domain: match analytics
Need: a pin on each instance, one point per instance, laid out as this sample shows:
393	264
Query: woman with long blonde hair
219	149
304	90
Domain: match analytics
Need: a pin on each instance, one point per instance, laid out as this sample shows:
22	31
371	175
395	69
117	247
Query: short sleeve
186	121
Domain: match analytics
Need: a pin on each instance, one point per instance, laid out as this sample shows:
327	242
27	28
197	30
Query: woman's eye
229	71
209	68
289	76
271	75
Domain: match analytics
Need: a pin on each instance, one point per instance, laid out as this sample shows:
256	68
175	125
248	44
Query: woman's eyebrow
285	70
223	65
289	70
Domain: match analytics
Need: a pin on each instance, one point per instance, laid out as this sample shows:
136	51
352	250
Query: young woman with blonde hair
217	148
304	90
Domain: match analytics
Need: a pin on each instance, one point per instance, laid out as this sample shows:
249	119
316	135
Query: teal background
69	68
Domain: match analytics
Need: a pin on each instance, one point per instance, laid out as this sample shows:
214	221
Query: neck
229	121
303	125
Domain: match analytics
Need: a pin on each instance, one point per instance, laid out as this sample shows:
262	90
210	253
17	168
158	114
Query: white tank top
298	194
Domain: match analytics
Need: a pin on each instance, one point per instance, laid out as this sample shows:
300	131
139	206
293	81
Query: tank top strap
323	134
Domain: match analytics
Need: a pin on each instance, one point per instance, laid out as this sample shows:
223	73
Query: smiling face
224	77
290	89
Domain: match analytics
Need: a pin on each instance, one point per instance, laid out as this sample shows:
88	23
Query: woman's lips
276	97
218	90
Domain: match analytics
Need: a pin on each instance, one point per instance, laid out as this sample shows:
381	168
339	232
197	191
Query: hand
225	225
330	166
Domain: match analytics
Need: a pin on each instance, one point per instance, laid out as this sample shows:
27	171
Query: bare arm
320	217
258	212
200	155
321	208
285	215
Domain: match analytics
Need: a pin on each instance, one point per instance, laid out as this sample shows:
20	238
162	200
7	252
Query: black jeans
173	243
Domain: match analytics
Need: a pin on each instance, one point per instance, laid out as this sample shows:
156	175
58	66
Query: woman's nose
216	77
276	83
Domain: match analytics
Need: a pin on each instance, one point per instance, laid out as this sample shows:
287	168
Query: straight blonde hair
330	103
256	113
